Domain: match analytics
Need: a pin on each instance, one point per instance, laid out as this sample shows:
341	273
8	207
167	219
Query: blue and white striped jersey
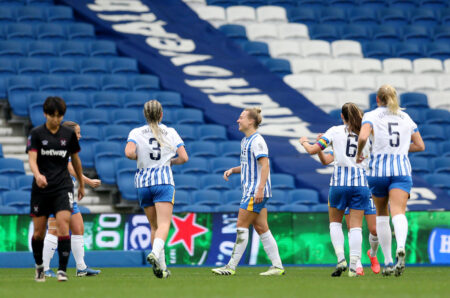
391	141
253	148
345	143
153	160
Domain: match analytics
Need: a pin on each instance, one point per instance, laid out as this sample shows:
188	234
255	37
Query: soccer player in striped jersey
389	174
154	146
76	226
348	185
255	181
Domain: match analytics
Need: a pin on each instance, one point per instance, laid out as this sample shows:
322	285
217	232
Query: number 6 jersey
391	141
153	160
345	143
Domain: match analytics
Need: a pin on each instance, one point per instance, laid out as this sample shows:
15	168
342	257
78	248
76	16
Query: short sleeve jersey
391	141
53	152
153	160
253	148
345	143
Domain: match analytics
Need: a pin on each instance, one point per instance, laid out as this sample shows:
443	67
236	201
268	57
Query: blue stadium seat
189	116
233	198
445	148
116	133
50	32
413	100
186	182
373	4
11	49
377	49
416	114
72	115
94	117
1	151
311	3
386	33
123	66
125	183
256	48
333	16
202	149
433	4
106	100
7	15
28	14
409	50
403	4
187	132
303	196
227	208
219	165
441	165
105	166
209	198
212	132
31	66
438	180
102	48
91	133
39	97
279	198
94	66
129	117
59	14
182	201
214	182
441	33
235	32
145	83
319	208
40	2
42	49
297	208
287	4
328	32
282	181
236	181
72	49
80	31
222	3
252	3
229	149
4	210
112	149
21	84
200	209
83	83
24	182
280	67
76	100
303	15
116	83
423	17
19	31
36	114
444	16
346	4
362	16
436	116
196	165
420	165
168	99
438	50
136	99
17	198
432	132
7	67
52	83
87	153
355	32
416	34
5	184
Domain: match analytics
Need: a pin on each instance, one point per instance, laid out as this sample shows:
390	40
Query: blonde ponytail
153	112
255	114
388	97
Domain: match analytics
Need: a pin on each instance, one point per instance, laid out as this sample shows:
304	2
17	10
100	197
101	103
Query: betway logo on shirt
53	152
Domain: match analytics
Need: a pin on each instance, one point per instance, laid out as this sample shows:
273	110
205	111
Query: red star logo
185	231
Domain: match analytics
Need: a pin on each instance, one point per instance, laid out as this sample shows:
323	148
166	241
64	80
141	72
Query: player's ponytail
255	114
153	112
388	97
353	116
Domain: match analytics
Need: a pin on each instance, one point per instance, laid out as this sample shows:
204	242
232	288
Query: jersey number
352	145
394	140
157	154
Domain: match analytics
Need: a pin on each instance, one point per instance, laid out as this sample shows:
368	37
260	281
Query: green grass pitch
200	282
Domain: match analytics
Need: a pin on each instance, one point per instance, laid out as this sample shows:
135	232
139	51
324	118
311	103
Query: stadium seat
72	115
333	16
214	182
306	66
124	163
419	165
416	115
432	132
219	165
116	83
94	117
123	66
362	83
129	117
212	132
31	66
204	149
168	99
76	100
5	185
393	16
84	83
367	66
7	15
438	50
319	208
330	83
422	83
359	98
182	201
36	114
397	81
256	48
213	14
346	49
116	133
74	49
241	15
286	49
271	14
125	183
40	2
441	165
24	182
91	133
317	4
17	198
10	49
316	49
106	100
50	32
416	34
7	67
444	16
229	149
431	149
297	208
233	198
235	32
402	4
303	196
327	32
19	32
302	15
93	66
445	148
428	66
196	165
136	99
186	182
282	181
300	82
187	132
337	66
12	167
259	32
385	33
102	48
397	65
443	83
435	116
377	49
105	166
413	100
1	151
355	32
439	100
293	31
408	50
363	16
441	33
59	14
209	198
145	83
5	210
52	83
62	66
189	116
280	67
438	180
200	209
80	31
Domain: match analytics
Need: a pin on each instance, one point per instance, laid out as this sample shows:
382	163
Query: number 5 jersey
153	159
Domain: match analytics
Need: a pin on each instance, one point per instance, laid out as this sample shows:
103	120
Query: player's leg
270	245
373	241
62	226
50	245
337	239
355	239
398	199
37	245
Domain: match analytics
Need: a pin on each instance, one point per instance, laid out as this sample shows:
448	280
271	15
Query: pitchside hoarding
207	239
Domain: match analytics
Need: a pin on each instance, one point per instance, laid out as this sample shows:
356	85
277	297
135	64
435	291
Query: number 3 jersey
345	144
153	160
391	141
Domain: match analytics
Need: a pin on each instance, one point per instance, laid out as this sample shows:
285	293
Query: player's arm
181	158
41	180
417	143
76	162
227	173
264	163
130	151
325	158
91	182
311	149
364	134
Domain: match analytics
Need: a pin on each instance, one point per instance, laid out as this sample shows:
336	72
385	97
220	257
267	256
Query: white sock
50	246
158	246
401	229
271	248
359	264
162	260
77	246
239	247
385	237
355	242
337	239
373	240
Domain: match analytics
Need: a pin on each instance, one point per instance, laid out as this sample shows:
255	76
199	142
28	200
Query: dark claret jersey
53	152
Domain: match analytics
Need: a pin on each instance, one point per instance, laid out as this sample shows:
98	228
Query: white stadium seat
327	101
444	82
428	65
348	49
367	66
212	14
361	99
363	83
301	65
337	66
397	81
330	83
195	3
447	65
300	82
293	31
271	14
241	15
397	65
439	100
285	49
316	49
262	32
422	83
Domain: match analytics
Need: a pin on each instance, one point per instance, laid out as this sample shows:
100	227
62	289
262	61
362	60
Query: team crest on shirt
63	142
44	142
